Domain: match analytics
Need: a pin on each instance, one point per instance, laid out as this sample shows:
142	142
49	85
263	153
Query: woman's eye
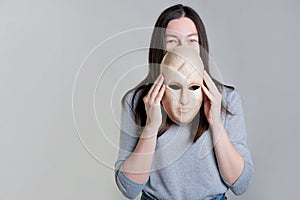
174	87
172	41
193	40
194	87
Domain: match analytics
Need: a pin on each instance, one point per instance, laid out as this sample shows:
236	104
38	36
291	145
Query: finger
210	83
154	84
205	98
156	89
207	93
160	94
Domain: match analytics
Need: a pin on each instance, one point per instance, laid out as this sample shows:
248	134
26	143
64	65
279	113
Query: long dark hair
156	54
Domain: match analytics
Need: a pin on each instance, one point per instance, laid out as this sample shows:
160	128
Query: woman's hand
212	101
152	104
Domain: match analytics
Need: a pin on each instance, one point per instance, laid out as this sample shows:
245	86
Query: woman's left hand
212	100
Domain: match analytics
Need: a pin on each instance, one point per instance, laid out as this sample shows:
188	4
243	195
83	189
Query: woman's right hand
152	104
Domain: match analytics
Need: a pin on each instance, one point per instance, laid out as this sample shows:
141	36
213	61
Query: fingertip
163	87
162	76
204	89
205	73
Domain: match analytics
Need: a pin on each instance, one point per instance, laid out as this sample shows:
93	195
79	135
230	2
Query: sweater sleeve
129	135
235	127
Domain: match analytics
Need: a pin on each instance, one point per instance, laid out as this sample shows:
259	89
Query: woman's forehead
182	26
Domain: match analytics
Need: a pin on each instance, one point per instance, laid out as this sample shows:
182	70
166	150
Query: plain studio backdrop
64	65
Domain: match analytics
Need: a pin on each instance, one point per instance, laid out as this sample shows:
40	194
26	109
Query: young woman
157	156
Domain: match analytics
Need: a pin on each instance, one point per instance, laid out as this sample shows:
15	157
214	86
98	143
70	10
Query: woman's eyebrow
170	35
189	35
192	34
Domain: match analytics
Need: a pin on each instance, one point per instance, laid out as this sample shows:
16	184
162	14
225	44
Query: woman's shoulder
128	96
229	91
231	97
132	96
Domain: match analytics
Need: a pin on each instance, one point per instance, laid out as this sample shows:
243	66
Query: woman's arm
230	161
234	160
138	165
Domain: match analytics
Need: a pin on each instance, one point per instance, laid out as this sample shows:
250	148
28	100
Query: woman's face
182	31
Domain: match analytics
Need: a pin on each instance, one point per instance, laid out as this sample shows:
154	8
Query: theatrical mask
182	69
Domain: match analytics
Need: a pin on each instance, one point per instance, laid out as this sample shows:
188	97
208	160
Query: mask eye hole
194	87
174	87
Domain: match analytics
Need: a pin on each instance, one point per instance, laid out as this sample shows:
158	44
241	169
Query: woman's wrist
216	127
216	122
149	132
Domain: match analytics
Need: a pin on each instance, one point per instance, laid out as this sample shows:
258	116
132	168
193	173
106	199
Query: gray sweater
181	169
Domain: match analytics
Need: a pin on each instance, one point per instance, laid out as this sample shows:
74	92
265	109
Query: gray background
43	44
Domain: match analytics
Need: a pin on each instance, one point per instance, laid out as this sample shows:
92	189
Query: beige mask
183	74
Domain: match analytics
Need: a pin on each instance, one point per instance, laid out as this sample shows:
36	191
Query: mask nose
184	99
